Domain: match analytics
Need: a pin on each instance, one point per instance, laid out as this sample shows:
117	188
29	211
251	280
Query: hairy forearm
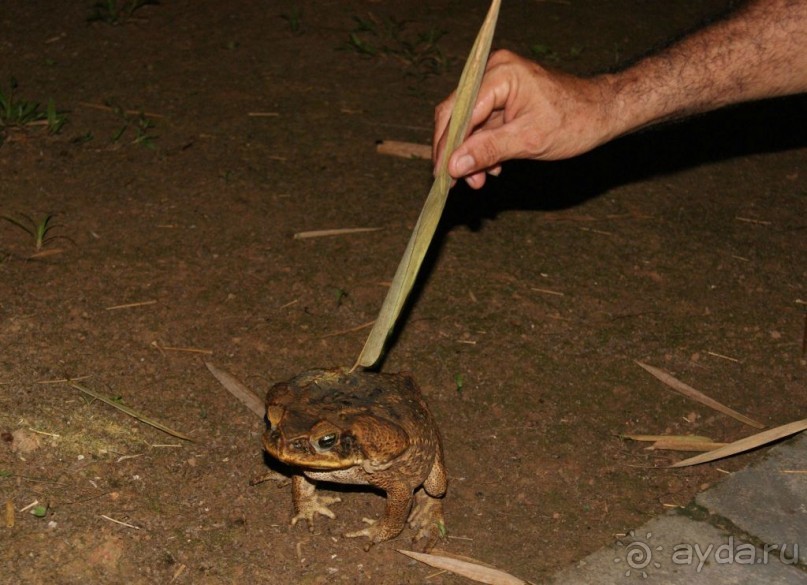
760	51
526	111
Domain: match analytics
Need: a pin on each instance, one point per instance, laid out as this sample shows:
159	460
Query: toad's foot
313	506
368	532
308	503
374	532
399	501
427	518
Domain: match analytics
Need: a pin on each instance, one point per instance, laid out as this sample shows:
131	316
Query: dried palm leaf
469	570
415	252
698	396
244	395
746	444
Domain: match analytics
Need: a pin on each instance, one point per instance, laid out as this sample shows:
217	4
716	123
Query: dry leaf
747	443
698	396
676	442
684	445
415	252
237	389
473	571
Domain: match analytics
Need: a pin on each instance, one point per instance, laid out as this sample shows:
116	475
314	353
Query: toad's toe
427	519
312	506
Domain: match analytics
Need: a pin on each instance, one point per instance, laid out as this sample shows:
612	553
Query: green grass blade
415	252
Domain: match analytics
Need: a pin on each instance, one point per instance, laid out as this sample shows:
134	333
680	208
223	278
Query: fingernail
464	165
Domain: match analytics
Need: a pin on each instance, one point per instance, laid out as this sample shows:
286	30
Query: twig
725	357
654	438
63	380
129	411
333	232
130	305
596	231
749	220
185	349
404	149
129	112
263	114
43	433
289	304
547	291
351	330
29	506
127	525
698	396
180	569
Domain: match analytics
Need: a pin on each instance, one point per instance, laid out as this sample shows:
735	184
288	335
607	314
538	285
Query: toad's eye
325	442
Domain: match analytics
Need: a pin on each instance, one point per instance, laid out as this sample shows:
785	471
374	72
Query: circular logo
638	555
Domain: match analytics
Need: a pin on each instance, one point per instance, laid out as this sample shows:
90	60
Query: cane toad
359	428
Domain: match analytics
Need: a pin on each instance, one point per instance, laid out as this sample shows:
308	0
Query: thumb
482	150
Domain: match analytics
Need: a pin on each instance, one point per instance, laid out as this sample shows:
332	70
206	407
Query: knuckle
502	55
488	154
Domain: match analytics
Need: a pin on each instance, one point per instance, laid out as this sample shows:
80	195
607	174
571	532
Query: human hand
524	111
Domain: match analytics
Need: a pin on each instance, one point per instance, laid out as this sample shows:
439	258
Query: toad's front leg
308	503
399	501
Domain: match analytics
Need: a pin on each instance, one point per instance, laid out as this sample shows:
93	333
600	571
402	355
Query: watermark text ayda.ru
731	553
642	557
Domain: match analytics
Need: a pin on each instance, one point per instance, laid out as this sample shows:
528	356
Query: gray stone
765	501
673	550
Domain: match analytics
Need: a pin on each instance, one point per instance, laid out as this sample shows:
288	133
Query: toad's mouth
313	465
299	454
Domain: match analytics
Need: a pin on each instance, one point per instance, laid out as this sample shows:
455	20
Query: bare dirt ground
683	247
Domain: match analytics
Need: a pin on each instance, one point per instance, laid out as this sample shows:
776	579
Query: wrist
615	113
